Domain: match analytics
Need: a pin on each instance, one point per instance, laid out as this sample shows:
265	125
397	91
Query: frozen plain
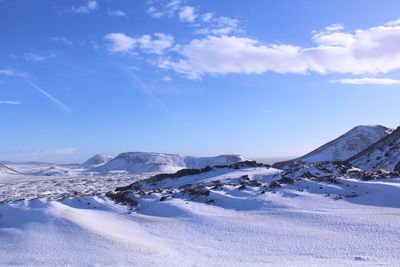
296	224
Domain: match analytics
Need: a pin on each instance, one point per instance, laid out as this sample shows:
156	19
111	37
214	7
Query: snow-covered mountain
6	170
384	154
149	162
344	147
96	161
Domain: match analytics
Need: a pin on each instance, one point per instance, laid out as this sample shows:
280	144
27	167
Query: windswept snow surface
297	224
150	162
343	147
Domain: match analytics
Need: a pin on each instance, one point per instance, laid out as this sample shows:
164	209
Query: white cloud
61	39
187	14
6	72
370	51
89	7
117	13
334	27
123	43
156	46
362	81
10	102
393	23
120	42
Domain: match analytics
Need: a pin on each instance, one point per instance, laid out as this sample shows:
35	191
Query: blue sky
259	78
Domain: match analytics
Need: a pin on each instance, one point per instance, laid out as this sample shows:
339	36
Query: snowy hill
384	154
148	162
343	147
6	170
96	161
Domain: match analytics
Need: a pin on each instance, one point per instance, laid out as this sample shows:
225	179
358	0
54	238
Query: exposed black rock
286	180
274	184
397	168
124	197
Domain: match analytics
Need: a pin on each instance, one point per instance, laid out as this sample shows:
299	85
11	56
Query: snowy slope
343	147
223	217
147	162
96	161
4	170
384	154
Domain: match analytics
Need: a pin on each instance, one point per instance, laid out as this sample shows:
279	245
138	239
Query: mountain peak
344	147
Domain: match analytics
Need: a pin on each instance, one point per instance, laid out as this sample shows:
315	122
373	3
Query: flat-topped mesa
151	162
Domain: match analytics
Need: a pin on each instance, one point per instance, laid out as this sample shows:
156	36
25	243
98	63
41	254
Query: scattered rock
123	197
242	187
274	184
286	180
163	198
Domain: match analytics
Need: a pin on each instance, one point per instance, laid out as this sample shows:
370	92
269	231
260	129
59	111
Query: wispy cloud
139	84
206	23
89	7
38	57
117	13
61	40
35	154
10	102
362	81
6	72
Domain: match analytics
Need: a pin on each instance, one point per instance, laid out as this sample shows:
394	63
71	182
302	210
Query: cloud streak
10	102
57	102
362	81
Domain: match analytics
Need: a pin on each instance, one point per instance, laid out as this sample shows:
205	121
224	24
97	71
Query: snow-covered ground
249	222
18	187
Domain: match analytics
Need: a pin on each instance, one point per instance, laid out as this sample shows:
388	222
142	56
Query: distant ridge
6	170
